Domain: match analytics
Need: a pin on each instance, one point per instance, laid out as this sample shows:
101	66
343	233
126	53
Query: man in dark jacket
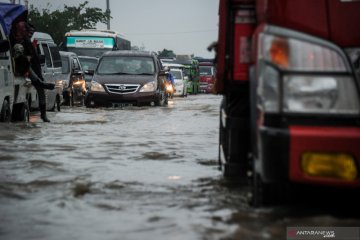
27	62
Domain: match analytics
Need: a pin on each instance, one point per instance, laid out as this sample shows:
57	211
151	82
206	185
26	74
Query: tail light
302	74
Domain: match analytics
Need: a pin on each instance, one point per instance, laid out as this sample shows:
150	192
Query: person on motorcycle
170	81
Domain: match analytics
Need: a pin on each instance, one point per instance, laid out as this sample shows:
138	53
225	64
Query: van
14	89
51	71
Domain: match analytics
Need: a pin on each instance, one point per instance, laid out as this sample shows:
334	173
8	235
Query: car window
65	65
126	65
88	63
48	61
55	55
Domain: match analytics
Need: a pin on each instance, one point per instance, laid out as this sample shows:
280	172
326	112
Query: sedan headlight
149	87
304	77
96	87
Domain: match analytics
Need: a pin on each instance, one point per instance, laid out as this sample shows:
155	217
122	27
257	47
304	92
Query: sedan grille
122	88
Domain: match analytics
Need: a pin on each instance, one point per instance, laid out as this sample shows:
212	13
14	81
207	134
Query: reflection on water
130	173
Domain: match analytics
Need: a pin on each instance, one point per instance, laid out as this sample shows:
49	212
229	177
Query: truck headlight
149	87
304	75
96	87
320	94
297	55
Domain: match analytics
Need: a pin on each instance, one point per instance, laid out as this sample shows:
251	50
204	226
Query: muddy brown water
132	173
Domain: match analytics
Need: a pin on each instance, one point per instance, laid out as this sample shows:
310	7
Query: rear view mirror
162	73
4	45
90	72
78	72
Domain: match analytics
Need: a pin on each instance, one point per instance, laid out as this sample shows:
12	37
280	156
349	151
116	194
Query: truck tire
235	137
24	114
21	112
5	114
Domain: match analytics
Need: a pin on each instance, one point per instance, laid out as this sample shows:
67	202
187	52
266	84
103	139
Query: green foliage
167	53
58	22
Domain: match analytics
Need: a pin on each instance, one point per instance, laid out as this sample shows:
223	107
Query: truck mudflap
325	155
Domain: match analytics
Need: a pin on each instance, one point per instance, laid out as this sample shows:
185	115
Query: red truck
289	73
207	76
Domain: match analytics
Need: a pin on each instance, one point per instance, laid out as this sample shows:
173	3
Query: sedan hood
124	79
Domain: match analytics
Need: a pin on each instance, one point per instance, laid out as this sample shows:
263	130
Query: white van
14	90
51	71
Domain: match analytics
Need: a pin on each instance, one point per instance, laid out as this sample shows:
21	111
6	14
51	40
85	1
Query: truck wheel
21	112
5	114
24	114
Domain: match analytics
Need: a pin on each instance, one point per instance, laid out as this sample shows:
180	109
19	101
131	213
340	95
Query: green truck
191	71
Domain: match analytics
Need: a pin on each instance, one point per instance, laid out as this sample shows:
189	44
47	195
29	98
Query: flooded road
132	173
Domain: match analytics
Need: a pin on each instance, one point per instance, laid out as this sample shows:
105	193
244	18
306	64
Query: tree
167	53
57	23
137	48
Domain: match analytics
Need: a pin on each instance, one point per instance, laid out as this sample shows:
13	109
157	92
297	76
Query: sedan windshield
126	65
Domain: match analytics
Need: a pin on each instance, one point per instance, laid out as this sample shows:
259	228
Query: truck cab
289	74
14	90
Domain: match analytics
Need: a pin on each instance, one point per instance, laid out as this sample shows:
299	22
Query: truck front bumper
308	154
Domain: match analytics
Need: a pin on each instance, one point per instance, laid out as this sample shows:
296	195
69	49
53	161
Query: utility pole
108	12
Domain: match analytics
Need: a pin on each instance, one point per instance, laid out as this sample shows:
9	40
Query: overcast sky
184	26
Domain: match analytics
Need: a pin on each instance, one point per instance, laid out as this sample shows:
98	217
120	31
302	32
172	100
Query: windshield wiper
145	74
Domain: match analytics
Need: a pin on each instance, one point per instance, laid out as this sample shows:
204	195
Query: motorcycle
170	89
76	92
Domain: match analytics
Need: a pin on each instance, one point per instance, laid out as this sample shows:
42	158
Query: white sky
184	26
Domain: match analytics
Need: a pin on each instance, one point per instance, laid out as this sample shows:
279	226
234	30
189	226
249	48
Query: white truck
14	90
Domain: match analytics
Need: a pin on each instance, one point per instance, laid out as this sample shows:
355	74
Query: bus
94	43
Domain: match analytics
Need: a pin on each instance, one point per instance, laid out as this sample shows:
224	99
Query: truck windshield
176	74
205	70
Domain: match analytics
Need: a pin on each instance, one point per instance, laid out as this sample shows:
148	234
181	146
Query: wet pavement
134	173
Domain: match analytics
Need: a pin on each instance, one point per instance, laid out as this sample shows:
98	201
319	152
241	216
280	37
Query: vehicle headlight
96	87
296	55
60	83
79	82
303	77
320	94
149	87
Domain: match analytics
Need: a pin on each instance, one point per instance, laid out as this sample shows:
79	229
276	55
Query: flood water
133	173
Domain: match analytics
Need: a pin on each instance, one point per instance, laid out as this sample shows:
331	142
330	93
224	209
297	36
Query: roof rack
94	30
